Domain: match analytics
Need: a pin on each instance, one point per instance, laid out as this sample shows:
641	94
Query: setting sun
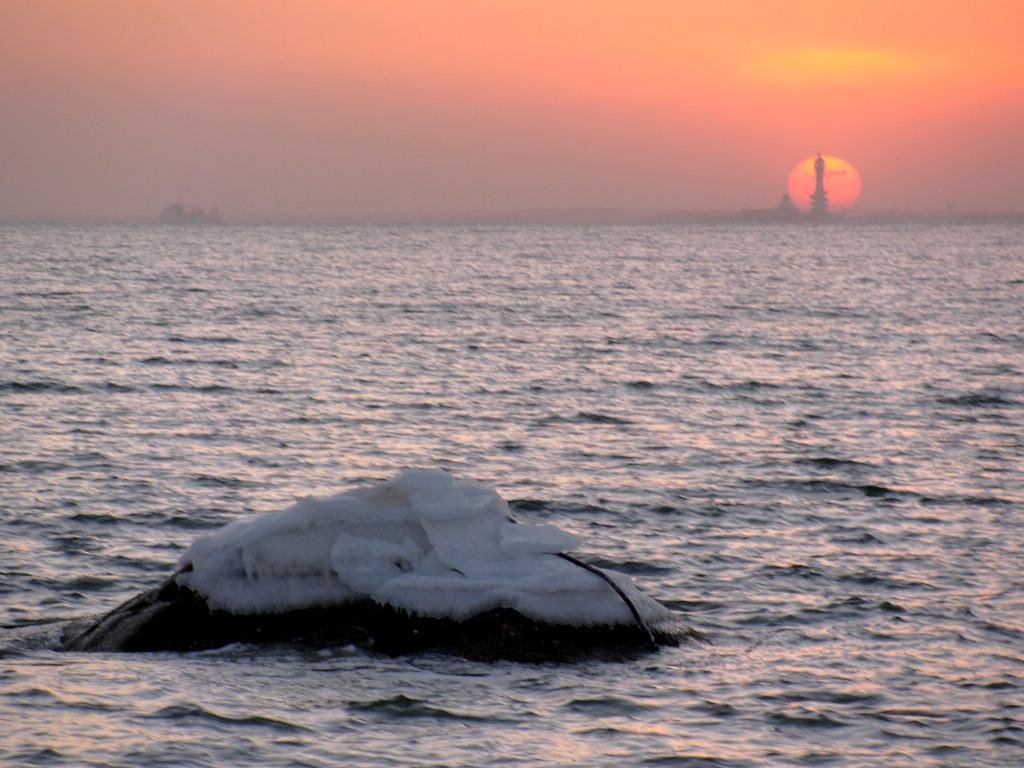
841	183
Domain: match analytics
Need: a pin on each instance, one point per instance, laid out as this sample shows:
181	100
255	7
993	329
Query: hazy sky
349	108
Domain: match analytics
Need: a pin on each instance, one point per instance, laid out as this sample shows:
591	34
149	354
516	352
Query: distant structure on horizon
819	200
179	214
786	210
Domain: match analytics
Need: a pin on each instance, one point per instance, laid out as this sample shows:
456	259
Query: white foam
426	541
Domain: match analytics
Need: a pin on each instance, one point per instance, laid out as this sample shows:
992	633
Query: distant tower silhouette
819	200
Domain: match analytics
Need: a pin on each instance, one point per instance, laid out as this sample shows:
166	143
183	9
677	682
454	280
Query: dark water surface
808	440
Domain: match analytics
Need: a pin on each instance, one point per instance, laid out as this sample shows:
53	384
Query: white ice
426	541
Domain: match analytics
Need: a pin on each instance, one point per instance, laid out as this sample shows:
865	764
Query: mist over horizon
359	111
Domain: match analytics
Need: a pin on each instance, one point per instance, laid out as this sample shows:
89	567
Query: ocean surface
808	440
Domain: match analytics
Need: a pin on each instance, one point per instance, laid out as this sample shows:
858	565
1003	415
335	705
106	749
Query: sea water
806	440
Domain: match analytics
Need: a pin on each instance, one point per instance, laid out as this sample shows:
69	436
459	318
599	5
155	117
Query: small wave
1003	727
103	518
835	487
216	363
633	567
195	522
806	718
750	385
91	584
982	399
856	604
855	536
1013	339
793	570
716	708
592	417
990	627
205	389
753	384
911	716
43	294
828	462
179	339
91	706
402	706
37	386
33	695
695	761
609	706
971	501
583	417
44	756
74	545
692	606
665	509
113	386
427	406
528	505
588	512
215	481
62	388
34	466
196	712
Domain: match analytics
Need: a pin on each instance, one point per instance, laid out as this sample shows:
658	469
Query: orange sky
331	108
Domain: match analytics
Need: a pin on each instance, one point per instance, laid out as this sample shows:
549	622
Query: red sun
841	182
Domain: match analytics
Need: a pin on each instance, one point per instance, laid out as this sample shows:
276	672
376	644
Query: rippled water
809	440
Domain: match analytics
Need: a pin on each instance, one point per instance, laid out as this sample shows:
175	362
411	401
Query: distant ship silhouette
179	214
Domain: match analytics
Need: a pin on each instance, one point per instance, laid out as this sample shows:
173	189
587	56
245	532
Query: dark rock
171	617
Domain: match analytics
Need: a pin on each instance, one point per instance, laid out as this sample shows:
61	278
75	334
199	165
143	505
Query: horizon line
580	215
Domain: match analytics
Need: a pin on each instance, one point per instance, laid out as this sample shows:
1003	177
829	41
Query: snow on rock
426	542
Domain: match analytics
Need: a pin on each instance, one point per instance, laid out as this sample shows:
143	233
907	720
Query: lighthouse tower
819	200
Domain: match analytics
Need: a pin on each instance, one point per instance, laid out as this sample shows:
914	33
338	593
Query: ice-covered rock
424	556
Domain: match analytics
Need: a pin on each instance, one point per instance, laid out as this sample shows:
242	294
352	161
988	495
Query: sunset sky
322	109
